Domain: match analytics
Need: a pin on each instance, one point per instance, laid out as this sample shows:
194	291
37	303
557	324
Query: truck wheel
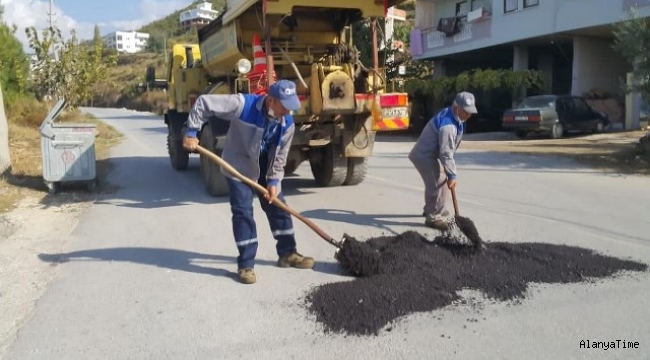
178	156
327	166
214	181
357	169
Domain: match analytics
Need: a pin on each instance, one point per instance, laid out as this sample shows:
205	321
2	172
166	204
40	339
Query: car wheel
600	127
557	131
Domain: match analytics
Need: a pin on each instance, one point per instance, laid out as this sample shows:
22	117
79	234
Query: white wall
596	66
425	15
126	41
549	17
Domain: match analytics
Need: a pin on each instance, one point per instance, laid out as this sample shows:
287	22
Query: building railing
424	40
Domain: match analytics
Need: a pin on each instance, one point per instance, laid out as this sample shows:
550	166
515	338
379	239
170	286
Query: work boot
247	276
296	260
437	222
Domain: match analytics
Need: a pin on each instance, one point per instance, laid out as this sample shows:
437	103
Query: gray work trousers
436	193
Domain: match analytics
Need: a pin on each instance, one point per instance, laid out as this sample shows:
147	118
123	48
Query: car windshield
535	102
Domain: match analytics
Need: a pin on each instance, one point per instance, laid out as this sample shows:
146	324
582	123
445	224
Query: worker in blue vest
433	157
257	145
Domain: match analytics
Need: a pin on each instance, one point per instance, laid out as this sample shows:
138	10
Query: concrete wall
596	66
549	17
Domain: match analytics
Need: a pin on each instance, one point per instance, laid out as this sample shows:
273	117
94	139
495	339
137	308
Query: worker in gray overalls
433	157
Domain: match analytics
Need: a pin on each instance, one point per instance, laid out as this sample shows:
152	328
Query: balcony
452	31
446	24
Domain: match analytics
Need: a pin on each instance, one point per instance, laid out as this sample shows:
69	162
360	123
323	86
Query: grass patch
26	175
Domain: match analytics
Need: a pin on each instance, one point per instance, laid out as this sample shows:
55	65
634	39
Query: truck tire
178	156
357	169
327	166
214	181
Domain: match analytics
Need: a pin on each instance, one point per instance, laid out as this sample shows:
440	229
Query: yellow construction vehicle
344	102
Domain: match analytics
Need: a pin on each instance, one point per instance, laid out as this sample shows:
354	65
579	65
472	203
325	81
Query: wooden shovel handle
263	191
453	197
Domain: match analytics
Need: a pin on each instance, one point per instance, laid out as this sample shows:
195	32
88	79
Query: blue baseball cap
285	91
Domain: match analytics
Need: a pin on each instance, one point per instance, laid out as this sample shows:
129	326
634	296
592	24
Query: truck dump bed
303	27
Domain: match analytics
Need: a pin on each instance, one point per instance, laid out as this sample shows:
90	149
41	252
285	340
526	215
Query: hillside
123	90
169	27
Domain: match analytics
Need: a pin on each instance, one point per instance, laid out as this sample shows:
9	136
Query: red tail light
393	100
508	118
534	118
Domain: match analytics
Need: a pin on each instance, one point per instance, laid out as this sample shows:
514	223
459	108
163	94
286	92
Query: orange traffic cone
257	76
259	57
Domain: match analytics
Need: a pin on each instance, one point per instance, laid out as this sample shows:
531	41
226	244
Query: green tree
75	69
632	41
97	37
14	69
14	65
5	155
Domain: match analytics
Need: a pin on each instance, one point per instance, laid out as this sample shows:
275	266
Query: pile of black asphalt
407	273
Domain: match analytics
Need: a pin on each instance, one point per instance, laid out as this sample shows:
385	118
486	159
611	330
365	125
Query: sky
82	15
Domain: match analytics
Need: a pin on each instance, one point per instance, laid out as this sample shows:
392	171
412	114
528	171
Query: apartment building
198	17
570	41
126	41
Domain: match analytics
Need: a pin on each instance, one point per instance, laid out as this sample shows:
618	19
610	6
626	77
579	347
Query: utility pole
51	13
51	21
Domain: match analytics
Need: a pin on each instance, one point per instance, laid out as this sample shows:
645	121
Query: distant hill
168	29
123	89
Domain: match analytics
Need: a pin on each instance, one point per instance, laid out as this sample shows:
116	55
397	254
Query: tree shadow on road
172	259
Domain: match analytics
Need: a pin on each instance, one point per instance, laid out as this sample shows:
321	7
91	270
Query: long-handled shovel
277	202
465	225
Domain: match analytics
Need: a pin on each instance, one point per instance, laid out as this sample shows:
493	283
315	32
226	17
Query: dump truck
255	42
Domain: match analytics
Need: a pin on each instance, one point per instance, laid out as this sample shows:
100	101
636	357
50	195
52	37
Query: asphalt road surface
151	271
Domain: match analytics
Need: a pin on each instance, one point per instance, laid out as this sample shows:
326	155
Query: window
485	4
565	104
462	8
534	102
529	3
580	105
509	5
